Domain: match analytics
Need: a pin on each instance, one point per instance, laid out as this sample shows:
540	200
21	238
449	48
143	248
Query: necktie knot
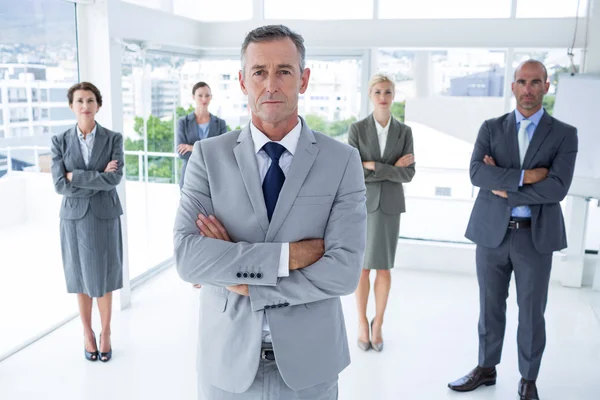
274	150
524	124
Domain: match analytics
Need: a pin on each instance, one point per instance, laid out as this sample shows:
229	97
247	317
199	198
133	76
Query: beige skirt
382	239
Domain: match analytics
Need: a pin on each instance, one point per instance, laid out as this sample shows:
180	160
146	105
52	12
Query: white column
508	78
100	64
576	219
422	70
592	66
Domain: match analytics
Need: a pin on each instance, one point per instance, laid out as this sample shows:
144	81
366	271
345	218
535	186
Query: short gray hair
270	33
532	61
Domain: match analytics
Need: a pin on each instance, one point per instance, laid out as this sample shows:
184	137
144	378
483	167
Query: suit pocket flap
308	200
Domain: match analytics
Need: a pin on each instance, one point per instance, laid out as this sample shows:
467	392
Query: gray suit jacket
323	197
187	133
384	185
90	186
554	146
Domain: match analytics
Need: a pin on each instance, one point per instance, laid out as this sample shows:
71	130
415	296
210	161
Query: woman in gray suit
87	165
386	149
197	125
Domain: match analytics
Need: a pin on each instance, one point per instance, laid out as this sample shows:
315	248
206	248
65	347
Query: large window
551	8
410	9
151	106
319	10
38	52
333	98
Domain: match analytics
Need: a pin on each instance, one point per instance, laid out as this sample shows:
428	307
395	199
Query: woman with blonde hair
386	149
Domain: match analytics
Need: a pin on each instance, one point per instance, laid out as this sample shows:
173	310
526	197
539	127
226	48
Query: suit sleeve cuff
284	261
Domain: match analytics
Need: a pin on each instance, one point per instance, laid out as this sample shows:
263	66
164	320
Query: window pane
551	8
332	101
444	96
35	57
151	96
206	10
318	9
410	9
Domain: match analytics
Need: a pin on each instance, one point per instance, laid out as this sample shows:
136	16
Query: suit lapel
510	131
306	153
76	148
212	127
246	160
539	135
392	139
99	143
192	131
373	139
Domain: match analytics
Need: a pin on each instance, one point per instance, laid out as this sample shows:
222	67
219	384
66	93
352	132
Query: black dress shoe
105	357
479	376
91	355
528	390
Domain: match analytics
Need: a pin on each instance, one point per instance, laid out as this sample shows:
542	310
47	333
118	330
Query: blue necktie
274	178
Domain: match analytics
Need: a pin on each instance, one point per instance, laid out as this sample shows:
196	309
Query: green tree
398	110
548	103
316	122
337	128
161	138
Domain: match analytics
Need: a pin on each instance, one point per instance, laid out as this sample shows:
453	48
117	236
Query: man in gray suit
272	223
523	163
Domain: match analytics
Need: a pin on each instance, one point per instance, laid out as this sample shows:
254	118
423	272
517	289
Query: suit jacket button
239	274
267	306
280	306
259	275
245	274
286	304
252	275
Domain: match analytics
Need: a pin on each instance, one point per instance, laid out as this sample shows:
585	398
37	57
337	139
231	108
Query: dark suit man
523	163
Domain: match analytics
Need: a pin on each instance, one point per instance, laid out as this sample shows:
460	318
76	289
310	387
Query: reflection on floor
430	338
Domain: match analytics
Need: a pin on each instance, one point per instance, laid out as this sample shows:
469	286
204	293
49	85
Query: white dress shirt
86	144
382	133
290	141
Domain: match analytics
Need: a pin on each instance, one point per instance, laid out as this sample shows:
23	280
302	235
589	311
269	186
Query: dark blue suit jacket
553	146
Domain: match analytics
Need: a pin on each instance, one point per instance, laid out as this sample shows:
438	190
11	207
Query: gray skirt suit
385	194
90	224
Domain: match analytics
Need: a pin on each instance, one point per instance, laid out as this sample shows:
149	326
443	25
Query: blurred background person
386	149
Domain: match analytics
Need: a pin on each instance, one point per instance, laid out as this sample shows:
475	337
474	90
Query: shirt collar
382	128
92	133
535	118
289	141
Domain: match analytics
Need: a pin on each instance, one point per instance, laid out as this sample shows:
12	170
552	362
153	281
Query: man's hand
242	289
405	160
112	166
535	175
184	148
488	160
369	165
305	253
69	176
211	227
500	193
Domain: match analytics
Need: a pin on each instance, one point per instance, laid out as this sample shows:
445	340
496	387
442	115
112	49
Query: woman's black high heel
105	357
91	356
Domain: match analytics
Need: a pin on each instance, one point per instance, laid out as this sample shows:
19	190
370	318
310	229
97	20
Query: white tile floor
430	333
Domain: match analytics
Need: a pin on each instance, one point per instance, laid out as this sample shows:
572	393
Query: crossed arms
528	187
318	268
